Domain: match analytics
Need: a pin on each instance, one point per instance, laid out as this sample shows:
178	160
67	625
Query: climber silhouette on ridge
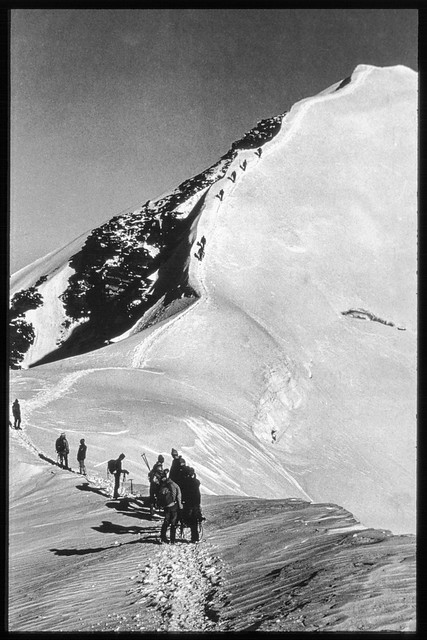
201	244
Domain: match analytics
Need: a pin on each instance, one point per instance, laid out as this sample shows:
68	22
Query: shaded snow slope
305	322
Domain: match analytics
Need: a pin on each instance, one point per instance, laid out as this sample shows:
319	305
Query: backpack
111	465
62	445
154	474
165	497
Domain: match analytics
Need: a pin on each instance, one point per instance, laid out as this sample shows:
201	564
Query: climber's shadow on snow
151	539
87	487
119	529
52	461
78	552
132	508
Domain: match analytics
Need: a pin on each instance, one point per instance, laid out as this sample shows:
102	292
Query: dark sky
110	108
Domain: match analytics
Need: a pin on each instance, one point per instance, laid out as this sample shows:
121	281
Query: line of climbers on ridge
62	447
200	253
176	490
232	176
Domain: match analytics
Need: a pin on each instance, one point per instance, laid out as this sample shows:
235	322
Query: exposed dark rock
21	332
362	314
112	286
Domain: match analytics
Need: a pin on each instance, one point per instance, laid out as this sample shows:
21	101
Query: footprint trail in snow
182	585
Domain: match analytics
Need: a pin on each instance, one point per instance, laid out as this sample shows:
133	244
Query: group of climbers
177	492
232	176
63	449
201	252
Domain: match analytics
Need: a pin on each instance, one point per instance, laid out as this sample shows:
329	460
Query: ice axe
144	457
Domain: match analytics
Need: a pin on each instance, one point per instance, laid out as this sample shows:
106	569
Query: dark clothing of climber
154	477
169	497
181	473
81	456
62	449
117	474
16	410
191	500
174	470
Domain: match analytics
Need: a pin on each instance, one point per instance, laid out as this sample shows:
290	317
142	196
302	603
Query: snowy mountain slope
300	316
121	270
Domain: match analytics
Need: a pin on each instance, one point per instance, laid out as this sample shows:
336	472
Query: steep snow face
121	270
300	320
325	222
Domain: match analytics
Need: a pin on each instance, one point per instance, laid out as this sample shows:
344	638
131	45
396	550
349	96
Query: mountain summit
261	317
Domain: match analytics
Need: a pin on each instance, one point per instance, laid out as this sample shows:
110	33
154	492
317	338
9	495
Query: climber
181	473
174	470
191	500
154	478
232	177
243	165
81	456
220	195
115	468
258	152
16	411
169	498
273	435
62	449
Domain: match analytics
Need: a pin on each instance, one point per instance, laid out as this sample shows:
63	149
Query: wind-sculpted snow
236	309
81	562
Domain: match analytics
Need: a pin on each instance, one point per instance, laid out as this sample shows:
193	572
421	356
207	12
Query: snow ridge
117	274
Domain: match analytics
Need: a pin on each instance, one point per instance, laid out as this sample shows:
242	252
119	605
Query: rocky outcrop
114	275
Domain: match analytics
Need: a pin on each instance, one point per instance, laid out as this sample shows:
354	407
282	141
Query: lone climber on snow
81	456
16	411
62	449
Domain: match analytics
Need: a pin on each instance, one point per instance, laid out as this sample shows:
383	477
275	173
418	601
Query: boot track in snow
182	585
